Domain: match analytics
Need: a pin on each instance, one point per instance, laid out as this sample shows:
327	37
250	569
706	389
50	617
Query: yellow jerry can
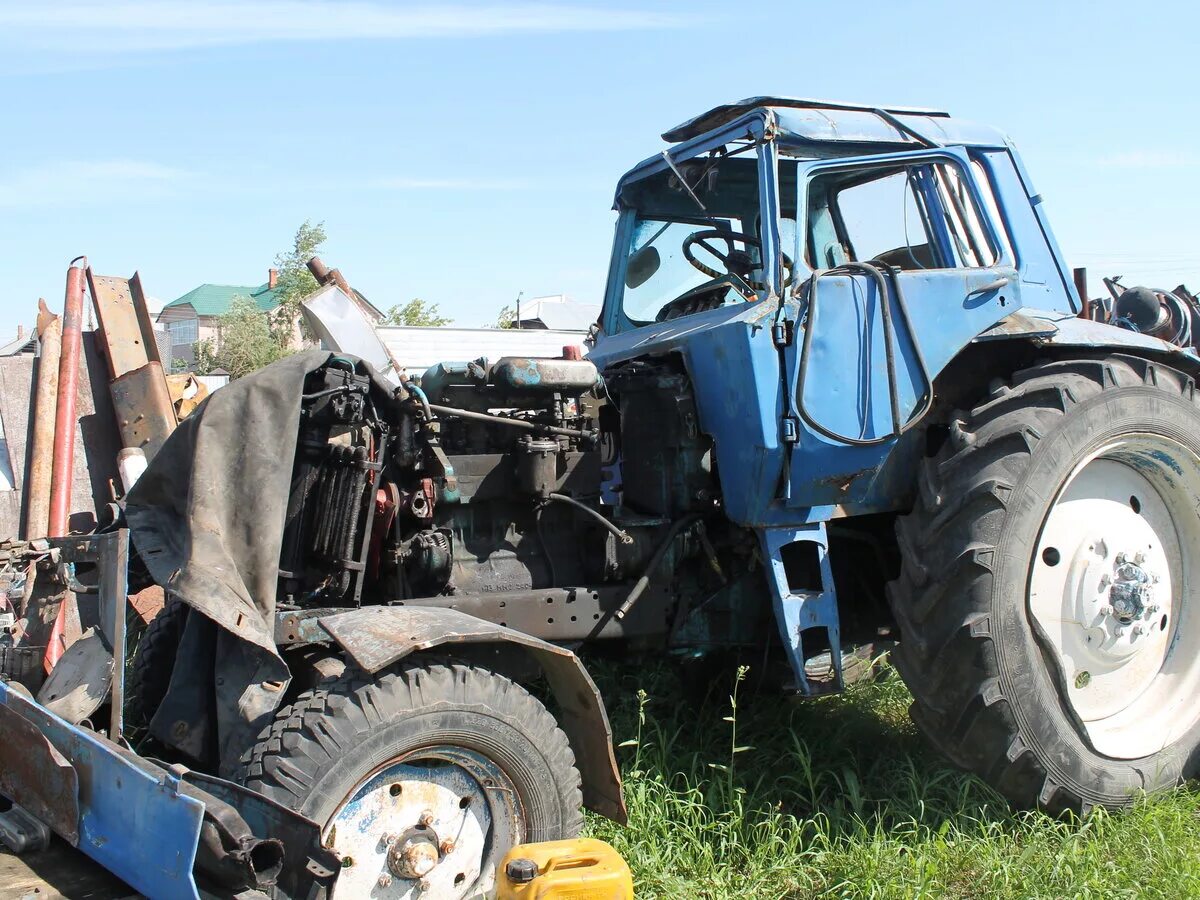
578	869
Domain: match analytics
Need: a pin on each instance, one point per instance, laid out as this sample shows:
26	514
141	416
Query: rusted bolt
424	884
385	880
426	819
447	846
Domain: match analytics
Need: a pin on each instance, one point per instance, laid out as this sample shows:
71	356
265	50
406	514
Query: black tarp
207	518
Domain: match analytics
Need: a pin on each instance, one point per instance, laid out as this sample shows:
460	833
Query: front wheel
422	778
1049	599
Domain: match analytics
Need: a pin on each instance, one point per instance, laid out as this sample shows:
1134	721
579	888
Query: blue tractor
848	331
843	394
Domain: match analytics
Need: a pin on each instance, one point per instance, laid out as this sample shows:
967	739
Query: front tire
422	777
1049	598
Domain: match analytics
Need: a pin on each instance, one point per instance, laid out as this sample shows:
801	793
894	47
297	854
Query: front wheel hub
429	825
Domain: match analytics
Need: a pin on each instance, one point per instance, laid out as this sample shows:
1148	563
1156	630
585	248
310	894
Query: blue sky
463	152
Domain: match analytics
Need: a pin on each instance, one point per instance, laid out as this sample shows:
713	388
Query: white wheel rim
434	823
1114	565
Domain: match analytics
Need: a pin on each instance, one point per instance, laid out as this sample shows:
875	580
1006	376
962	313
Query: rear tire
153	662
1021	657
468	749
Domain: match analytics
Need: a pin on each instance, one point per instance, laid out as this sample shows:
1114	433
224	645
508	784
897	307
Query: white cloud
78	183
1151	159
148	25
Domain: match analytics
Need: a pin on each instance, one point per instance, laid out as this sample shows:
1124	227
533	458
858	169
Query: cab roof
727	112
819	128
801	121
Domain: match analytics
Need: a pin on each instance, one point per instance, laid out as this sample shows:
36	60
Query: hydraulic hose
623	536
677	528
412	388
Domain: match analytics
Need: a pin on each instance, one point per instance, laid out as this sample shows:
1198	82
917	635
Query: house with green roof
194	316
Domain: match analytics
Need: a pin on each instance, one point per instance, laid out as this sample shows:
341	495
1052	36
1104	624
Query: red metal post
64	419
63	470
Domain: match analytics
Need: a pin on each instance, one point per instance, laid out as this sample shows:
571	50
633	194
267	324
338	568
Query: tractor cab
870	245
754	197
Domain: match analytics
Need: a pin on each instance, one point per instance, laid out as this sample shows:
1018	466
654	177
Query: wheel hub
413	854
1111	567
1130	594
1115	602
424	828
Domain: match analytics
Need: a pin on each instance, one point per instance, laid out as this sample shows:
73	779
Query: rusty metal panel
34	775
124	322
145	416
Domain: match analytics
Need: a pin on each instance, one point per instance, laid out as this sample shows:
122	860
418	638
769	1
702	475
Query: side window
921	216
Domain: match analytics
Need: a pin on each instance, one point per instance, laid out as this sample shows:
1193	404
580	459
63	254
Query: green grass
734	793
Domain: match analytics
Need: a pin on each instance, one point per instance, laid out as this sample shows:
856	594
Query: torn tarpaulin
207	518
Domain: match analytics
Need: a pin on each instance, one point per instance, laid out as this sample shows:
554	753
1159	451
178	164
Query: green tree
247	341
295	282
415	312
506	318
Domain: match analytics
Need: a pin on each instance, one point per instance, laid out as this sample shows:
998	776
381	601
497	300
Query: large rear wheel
1049	599
422	777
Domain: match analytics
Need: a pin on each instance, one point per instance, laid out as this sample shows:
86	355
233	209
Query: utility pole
519	295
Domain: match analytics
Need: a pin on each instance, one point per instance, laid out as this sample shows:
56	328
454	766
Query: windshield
695	242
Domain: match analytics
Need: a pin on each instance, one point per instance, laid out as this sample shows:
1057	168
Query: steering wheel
738	263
